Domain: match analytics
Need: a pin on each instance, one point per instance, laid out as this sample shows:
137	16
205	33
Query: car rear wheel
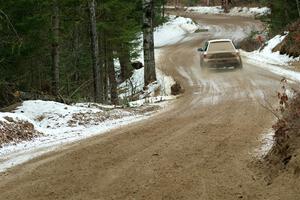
240	66
204	68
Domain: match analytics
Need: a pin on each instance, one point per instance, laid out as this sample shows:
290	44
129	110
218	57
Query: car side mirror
200	49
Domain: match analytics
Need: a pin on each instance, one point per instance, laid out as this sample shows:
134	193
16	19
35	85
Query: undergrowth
287	129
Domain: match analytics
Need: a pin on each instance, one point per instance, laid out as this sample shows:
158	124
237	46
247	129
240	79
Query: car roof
220	40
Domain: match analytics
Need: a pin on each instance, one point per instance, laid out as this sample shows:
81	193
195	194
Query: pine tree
55	48
95	52
148	42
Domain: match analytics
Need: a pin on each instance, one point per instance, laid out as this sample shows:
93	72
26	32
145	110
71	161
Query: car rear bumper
226	63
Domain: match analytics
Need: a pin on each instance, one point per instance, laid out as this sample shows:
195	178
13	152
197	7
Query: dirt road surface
202	147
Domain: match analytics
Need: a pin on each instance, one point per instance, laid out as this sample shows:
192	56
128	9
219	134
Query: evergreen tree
283	13
45	46
55	48
95	52
148	42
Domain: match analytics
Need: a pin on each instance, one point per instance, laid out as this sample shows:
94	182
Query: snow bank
267	142
272	61
135	84
206	9
236	11
173	31
61	124
248	12
151	100
267	56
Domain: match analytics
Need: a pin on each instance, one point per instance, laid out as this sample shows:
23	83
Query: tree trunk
163	8
95	52
112	76
124	57
148	42
55	48
225	5
298	7
104	63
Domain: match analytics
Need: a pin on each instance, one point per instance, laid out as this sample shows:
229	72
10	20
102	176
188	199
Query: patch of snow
236	11
267	56
135	84
169	7
151	100
267	142
206	9
273	61
60	125
245	11
287	73
15	117
173	31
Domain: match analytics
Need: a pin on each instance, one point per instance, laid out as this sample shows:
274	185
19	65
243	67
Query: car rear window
221	46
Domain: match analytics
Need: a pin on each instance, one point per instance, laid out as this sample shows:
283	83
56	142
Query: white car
220	54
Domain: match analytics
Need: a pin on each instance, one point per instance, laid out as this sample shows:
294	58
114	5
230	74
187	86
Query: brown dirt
201	147
249	44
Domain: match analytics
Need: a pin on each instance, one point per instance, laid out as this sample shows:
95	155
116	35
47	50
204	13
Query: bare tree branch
10	24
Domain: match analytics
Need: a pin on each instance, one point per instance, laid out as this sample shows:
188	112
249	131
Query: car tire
204	68
240	66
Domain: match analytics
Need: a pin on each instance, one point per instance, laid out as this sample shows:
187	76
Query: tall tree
298	7
225	5
95	52
112	75
124	58
283	13
55	48
148	42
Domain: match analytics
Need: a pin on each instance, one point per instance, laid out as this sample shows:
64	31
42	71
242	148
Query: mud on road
202	147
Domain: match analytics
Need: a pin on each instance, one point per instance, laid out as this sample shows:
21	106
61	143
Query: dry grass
285	154
16	131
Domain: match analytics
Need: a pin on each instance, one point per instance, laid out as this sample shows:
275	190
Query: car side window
205	46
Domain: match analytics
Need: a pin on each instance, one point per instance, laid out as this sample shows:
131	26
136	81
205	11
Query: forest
66	50
46	47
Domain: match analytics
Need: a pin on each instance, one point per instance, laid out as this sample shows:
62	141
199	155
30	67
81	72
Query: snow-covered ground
61	124
135	84
173	31
267	140
267	56
205	9
273	61
236	11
